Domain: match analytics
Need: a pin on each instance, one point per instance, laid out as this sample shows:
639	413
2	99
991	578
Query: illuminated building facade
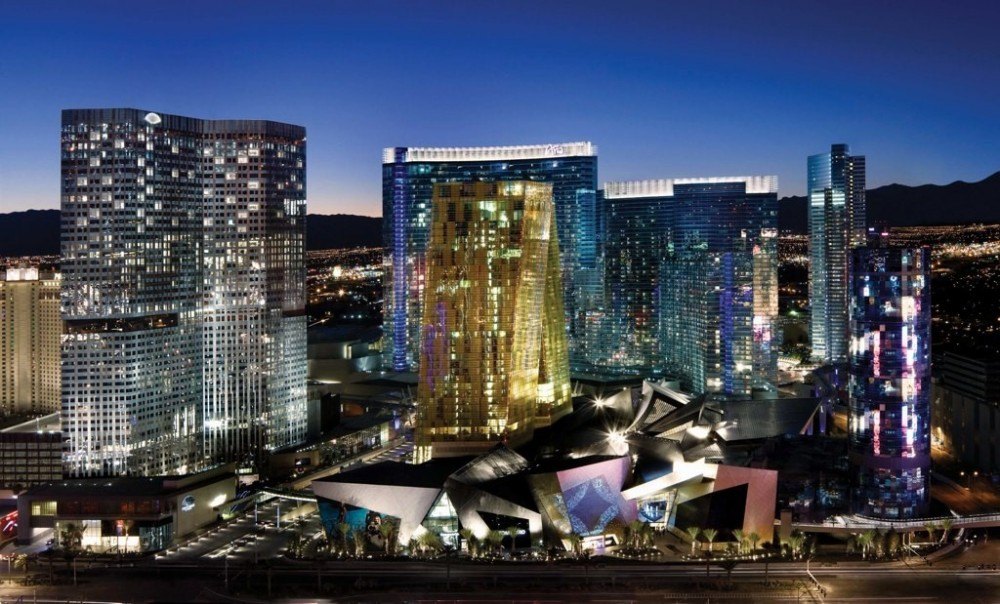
493	352
183	295
691	277
890	380
30	329
408	178
837	223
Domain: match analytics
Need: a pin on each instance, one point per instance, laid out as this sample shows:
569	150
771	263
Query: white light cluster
418	154
664	187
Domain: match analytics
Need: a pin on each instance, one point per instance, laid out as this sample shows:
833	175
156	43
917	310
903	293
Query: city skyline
670	100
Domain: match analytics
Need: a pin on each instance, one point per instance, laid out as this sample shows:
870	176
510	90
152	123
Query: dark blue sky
665	89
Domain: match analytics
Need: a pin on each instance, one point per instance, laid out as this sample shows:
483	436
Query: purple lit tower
890	380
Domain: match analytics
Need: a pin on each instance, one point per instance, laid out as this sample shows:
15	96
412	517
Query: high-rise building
890	380
691	277
408	177
493	350
183	295
837	223
30	329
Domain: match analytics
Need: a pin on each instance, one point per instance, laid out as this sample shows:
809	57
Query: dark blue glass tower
408	177
691	277
890	380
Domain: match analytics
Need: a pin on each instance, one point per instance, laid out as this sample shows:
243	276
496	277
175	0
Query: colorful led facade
890	380
691	278
408	178
183	294
837	223
493	350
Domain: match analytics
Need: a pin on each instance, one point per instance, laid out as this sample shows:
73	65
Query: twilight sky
665	89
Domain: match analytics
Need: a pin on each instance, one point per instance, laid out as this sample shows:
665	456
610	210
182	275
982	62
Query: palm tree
512	532
851	546
693	532
946	525
359	542
70	537
892	543
635	533
795	541
575	544
295	545
344	530
865	540
647	536
754	539
930	527
431	541
388	533
740	538
466	536
710	534
495	540
21	561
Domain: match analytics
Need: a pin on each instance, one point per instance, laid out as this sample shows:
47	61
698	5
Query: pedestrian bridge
855	523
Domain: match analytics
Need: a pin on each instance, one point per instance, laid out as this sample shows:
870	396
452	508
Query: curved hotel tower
493	361
890	380
408	178
183	290
692	281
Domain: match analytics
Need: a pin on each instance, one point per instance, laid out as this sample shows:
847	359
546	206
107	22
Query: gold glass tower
493	357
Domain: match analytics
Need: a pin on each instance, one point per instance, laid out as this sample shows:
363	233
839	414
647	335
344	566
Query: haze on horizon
664	90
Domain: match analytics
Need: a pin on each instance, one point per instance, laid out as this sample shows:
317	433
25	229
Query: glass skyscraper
408	177
183	294
837	222
691	278
493	362
890	380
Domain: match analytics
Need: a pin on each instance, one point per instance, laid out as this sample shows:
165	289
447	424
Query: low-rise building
965	409
31	453
128	514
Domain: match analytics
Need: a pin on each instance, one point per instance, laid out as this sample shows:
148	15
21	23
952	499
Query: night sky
665	89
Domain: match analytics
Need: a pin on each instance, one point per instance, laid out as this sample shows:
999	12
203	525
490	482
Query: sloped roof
430	474
758	419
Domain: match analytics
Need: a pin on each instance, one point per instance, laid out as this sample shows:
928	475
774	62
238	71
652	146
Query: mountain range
899	205
36	232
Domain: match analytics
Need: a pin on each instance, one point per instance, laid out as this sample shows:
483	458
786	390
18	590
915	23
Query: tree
359	542
70	536
431	542
21	562
865	541
930	527
466	536
647	535
946	525
512	532
635	533
852	545
740	538
693	532
575	544
494	540
795	541
892	543
387	531
710	534
343	530
754	539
